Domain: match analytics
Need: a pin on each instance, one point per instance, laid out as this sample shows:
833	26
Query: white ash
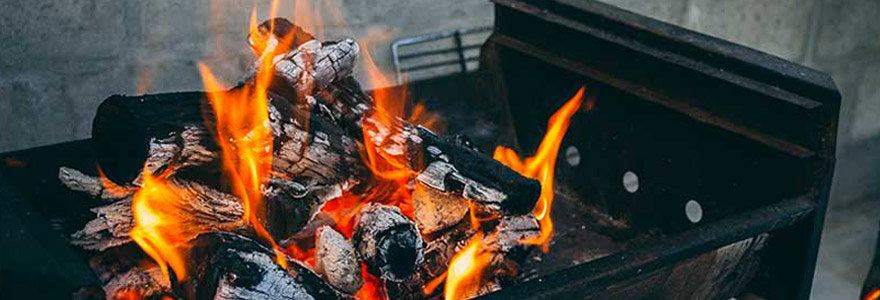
336	260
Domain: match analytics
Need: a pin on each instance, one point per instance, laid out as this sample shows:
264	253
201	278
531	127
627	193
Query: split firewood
191	147
206	210
435	210
387	241
272	37
446	165
336	261
94	186
110	228
230	266
440	164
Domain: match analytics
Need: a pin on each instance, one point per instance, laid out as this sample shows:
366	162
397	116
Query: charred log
124	127
166	129
503	245
305	237
229	266
445	165
387	241
126	271
289	207
438	252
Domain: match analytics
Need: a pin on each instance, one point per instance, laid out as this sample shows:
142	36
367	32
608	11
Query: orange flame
464	275
246	142
159	228
542	165
873	295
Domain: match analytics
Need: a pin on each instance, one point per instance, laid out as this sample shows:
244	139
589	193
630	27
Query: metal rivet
630	182
572	156
693	211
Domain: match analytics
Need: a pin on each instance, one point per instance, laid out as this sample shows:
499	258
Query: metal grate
437	54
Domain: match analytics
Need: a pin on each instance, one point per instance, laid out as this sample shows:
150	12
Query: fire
159	228
542	165
246	142
873	295
464	275
243	132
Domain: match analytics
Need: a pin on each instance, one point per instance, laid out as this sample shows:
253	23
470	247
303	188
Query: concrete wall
60	58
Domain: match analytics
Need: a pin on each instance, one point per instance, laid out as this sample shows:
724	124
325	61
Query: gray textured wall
60	58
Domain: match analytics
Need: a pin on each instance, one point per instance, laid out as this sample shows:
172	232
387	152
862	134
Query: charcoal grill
718	158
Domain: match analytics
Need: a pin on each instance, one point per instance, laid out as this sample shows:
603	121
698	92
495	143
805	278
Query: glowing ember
373	287
542	165
873	295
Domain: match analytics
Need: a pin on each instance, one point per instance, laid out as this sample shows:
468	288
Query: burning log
328	137
206	209
313	161
438	253
502	249
317	137
445	165
168	129
230	266
387	241
507	241
336	261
